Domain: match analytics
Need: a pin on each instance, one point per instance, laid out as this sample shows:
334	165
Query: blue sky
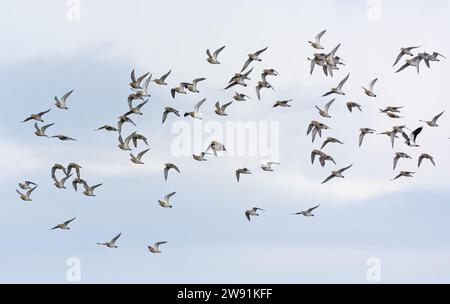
404	224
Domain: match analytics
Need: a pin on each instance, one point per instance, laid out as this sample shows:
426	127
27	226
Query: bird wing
209	53
224	106
341	84
69	221
133	77
198	105
258	89
238	172
166	172
420	160
116	238
327	93
396	158
328	178
320	36
197	80
142	153
246	64
327	106
165	113
312	208
361	138
163	77
398	58
216	52
415	133
372	83
313	64
44	112
333	51
310	127
65	96
46	126
167	197
159	243
247	215
346	168
95	186
260	51
403	67
437	117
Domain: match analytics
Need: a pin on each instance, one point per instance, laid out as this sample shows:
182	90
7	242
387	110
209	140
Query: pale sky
403	223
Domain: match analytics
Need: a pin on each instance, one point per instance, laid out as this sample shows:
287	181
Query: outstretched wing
216	53
312	208
116	238
346	168
163	77
69	221
341	84
372	83
198	105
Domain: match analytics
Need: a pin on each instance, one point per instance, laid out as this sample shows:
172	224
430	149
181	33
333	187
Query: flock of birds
139	96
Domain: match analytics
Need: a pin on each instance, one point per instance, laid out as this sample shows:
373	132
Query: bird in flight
282	103
168	110
425	156
64	226
61	103
337	173
253	57
316	44
137	159
167	167
410	140
350	105
89	191
27	196
242	171
155	247
192	87
26	185
220	109
307	212
433	122
165	202
363	133
324	112
404	174
405	51
212	58
112	243
338	89
331	140
369	92
399	155
162	79
252	212
37	117
196	113
107	128
268	166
